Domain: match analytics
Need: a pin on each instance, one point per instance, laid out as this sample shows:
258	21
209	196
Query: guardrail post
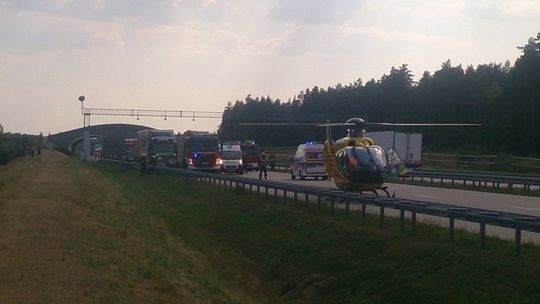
306	198
266	191
402	219
382	216
284	196
451	228
318	201
333	203
413	221
518	239
275	195
347	205
483	233
295	196
363	210
258	190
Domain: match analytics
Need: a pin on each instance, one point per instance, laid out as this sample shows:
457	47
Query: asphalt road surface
526	205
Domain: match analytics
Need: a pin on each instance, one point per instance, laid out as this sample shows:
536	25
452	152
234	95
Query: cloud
52	32
313	12
509	11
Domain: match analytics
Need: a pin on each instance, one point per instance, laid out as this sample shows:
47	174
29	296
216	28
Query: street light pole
81	99
86	133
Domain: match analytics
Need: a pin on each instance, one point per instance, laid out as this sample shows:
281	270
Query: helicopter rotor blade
335	124
388	124
278	124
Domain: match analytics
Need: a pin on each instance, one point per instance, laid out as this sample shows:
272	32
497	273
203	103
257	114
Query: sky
197	55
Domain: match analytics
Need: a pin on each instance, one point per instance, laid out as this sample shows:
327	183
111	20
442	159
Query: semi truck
408	146
157	146
198	150
129	149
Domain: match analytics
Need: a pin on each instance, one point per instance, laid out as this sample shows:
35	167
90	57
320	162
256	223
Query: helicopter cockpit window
362	164
372	156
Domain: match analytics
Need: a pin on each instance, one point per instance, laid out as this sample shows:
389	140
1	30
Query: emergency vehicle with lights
199	150
308	162
231	158
251	153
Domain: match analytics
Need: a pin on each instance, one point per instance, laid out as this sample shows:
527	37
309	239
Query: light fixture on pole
81	99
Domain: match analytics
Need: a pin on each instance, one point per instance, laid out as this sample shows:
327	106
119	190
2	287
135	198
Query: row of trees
501	97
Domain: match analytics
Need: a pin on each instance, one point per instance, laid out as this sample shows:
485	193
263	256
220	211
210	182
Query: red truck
250	155
199	150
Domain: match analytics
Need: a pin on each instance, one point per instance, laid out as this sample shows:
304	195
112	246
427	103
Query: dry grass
66	237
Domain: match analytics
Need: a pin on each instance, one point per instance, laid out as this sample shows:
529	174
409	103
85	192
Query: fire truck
199	150
157	145
250	155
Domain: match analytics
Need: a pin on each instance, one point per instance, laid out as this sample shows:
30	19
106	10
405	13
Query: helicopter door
393	161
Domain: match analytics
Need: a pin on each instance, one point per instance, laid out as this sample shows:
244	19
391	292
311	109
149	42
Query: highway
526	205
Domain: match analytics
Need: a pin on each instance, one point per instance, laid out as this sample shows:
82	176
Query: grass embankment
103	234
307	256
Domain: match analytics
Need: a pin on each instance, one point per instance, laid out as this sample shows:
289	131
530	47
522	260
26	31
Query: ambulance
308	162
231	158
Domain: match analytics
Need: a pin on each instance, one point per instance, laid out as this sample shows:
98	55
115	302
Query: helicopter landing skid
381	189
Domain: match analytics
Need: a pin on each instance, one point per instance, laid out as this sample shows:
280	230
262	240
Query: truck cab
231	159
157	145
308	162
250	155
199	150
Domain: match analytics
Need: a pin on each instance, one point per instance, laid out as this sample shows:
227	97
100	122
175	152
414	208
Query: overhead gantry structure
88	112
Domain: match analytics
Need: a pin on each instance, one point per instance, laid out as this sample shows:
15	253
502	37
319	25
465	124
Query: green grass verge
303	255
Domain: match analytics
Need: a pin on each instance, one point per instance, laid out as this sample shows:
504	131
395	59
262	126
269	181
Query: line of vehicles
195	150
202	150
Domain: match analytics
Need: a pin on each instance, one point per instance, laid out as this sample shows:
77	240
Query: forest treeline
504	98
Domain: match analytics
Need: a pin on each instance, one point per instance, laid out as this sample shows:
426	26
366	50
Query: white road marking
525	208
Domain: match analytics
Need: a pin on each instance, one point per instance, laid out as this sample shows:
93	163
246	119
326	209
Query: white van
308	162
231	159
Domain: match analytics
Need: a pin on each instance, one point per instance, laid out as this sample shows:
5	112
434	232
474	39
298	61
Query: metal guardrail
474	179
495	181
518	222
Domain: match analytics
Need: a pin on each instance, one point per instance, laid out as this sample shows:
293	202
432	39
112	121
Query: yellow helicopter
355	162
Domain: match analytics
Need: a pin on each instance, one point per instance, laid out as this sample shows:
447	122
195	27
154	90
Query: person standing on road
262	166
272	160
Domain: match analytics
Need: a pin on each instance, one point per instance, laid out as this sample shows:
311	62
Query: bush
7	153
